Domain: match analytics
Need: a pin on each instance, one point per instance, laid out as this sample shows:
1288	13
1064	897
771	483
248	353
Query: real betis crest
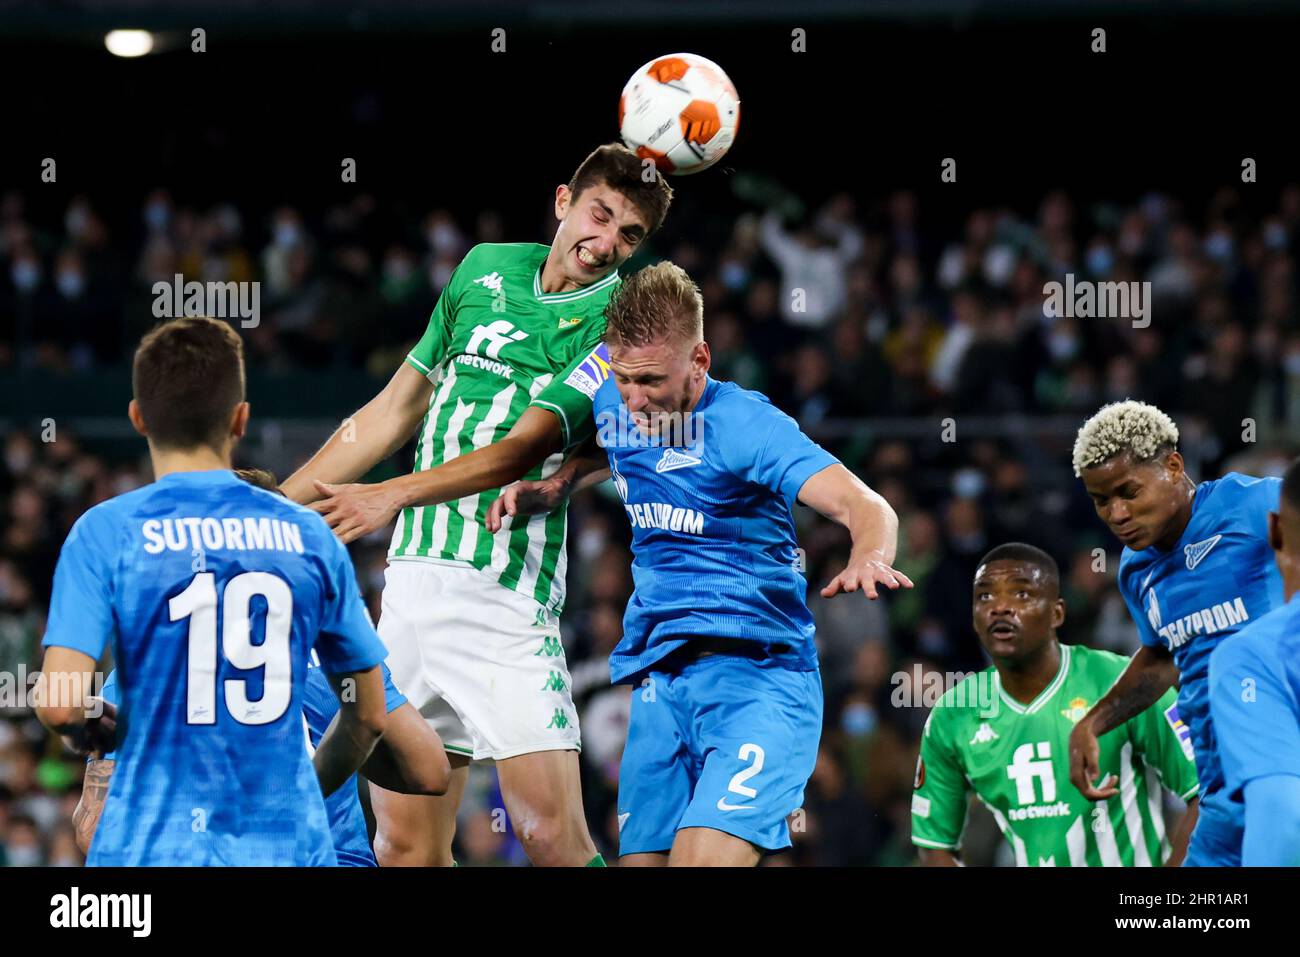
1077	709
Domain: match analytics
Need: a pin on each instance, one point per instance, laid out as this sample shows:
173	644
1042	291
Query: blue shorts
726	742
1220	829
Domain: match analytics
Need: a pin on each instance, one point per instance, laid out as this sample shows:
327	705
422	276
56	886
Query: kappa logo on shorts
555	683
551	647
559	720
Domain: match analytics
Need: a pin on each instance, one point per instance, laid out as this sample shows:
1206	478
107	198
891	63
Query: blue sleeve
347	640
770	450
81	605
110	695
1272	836
1261	496
1256	721
393	698
319	704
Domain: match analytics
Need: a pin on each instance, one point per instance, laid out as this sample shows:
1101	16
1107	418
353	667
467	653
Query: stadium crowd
919	354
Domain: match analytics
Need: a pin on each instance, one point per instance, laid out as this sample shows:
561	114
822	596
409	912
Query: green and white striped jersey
1016	759
494	345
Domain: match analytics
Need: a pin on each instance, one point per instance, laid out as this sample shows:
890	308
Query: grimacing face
598	231
659	383
1138	501
1015	608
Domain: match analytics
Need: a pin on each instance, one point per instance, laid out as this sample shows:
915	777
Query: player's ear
1058	613
1175	465
1275	531
562	200
701	358
239	420
137	420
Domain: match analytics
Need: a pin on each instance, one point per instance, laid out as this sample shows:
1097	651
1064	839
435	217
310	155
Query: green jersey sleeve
571	392
1165	742
432	348
939	795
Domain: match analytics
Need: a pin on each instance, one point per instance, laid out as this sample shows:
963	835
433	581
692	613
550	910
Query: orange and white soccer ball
681	111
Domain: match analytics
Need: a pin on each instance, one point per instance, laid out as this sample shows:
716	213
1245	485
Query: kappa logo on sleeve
591	374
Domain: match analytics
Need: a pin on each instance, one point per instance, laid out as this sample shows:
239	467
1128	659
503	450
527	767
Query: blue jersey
1219	577
347	821
319	706
1255	699
213	593
713	540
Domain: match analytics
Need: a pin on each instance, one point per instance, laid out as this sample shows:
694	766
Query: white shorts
477	660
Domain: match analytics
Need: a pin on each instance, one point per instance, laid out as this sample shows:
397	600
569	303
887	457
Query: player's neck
203	459
697	394
553	278
1182	518
1026	680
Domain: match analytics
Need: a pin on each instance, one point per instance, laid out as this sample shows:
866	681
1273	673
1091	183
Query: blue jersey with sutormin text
213	593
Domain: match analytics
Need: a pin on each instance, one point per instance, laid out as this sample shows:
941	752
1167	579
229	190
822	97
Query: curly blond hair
1136	428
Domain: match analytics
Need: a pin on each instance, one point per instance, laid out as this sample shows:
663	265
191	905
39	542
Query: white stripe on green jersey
1015	758
494	344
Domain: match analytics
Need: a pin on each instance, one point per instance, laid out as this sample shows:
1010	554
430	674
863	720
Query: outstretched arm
844	498
356	510
376	431
587	466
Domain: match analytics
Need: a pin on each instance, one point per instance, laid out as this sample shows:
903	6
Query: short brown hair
623	171
188	376
262	478
659	302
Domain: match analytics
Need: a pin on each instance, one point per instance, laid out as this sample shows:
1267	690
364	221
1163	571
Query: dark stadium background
1057	149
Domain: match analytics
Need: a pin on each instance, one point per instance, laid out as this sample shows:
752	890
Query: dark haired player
408	759
1003	733
213	594
1255	704
1196	567
471	619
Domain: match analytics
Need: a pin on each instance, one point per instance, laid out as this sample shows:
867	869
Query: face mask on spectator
735	276
968	483
76	221
443	238
70	283
1100	261
157	215
23	856
858	719
26	274
287	234
1218	246
1062	346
